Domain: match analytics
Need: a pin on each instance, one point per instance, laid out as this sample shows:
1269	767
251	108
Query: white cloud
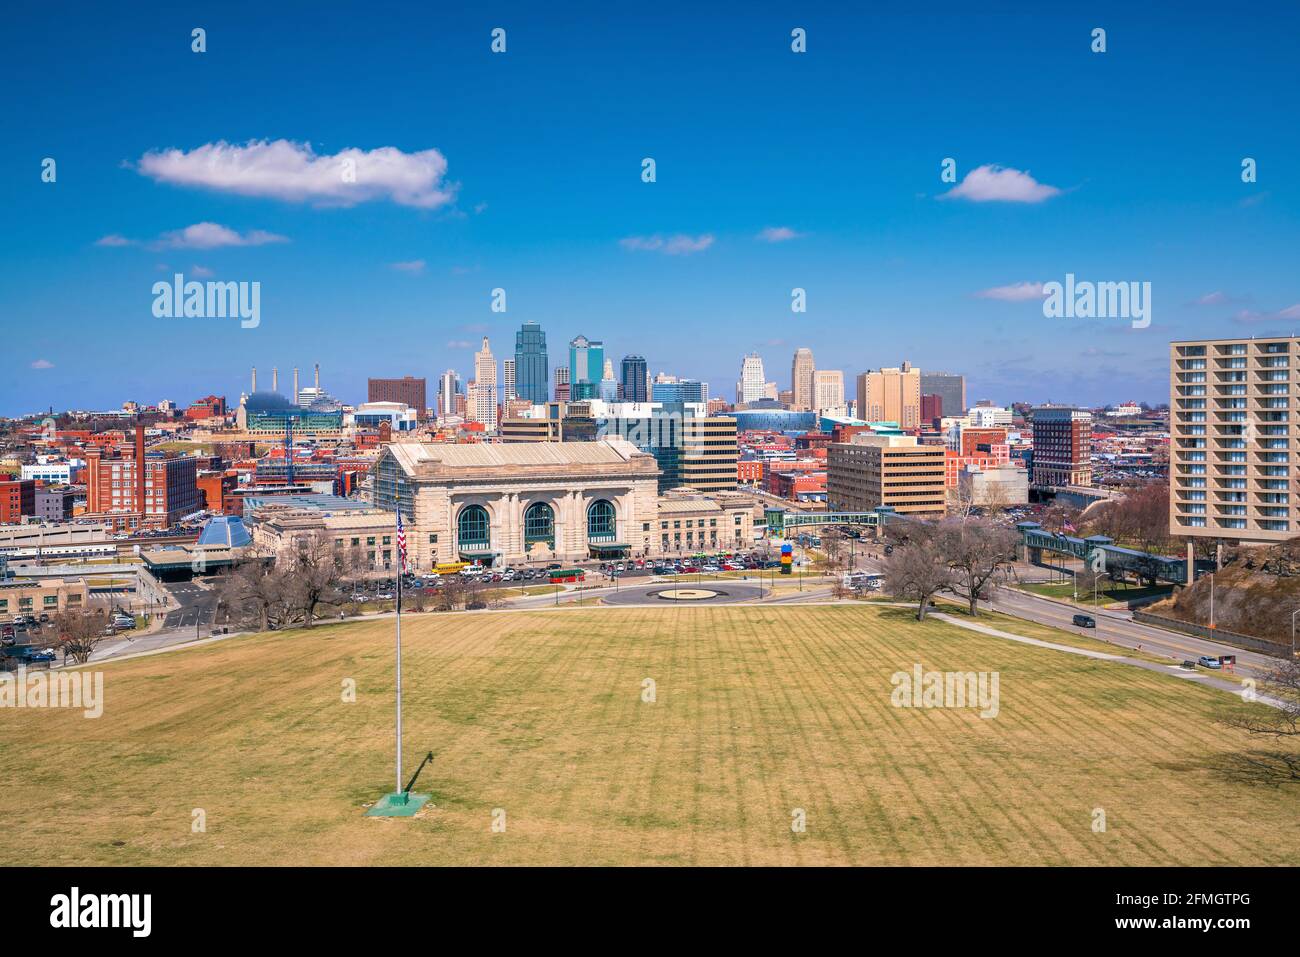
113	239
678	245
1216	298
990	183
1016	292
1289	314
203	272
42	364
412	266
214	236
293	172
777	234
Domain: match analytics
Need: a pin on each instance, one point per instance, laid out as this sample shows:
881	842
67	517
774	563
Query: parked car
45	618
1207	661
711	569
1085	621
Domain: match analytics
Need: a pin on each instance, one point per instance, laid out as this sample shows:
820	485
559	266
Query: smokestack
275	379
295	385
254	378
318	378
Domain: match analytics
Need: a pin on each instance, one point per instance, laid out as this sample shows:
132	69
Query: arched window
539	524
472	526
600	521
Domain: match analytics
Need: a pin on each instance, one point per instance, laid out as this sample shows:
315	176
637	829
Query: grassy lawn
758	711
1112	593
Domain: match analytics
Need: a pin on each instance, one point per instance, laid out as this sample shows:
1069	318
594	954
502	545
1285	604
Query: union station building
517	503
520	502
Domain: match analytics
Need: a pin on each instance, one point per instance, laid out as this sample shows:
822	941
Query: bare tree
975	550
314	571
919	569
1282	723
833	545
80	631
255	592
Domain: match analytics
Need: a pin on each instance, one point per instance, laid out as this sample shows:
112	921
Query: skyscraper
608	390
586	363
751	386
828	390
634	379
508	380
483	395
448	388
562	385
531	364
891	395
801	380
950	388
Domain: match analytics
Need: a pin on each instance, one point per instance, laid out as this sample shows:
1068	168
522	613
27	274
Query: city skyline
760	189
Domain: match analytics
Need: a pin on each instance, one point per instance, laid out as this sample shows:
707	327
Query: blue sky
842	145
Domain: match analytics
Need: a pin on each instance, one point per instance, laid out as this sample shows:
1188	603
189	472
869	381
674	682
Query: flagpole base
398	804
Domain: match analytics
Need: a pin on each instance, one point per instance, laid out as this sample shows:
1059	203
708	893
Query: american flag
401	542
1067	525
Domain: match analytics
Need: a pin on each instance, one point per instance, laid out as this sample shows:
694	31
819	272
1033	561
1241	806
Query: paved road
1114	626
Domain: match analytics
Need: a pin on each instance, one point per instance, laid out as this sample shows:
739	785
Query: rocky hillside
1254	593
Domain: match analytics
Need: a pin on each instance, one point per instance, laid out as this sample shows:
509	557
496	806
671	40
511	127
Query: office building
448	388
949	387
563	387
828	390
708	453
752	384
1062	446
131	490
482	405
670	390
17	499
586	366
1233	451
407	390
531	369
508	381
634	379
890	395
872	470
802	384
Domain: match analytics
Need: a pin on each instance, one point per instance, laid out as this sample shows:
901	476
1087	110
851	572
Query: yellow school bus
450	568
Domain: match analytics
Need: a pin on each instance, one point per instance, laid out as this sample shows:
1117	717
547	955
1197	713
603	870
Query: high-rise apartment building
802	386
752	384
408	390
531	372
1233	451
828	390
634	379
1062	446
872	470
483	391
949	387
891	395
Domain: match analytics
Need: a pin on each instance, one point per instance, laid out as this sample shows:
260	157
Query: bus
567	575
450	568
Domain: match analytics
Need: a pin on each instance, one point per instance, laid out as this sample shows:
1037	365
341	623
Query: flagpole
399	681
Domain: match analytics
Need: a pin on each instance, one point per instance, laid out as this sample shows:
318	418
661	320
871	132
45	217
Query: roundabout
709	593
